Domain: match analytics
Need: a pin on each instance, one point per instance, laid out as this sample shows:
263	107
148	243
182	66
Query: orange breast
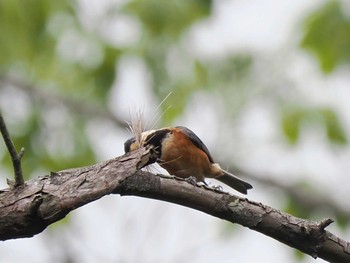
180	157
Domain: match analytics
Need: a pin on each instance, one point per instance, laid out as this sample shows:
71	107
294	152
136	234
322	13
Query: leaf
291	121
104	74
168	18
233	69
294	118
327	36
333	127
30	45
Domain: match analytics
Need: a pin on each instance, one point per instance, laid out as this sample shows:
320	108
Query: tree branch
307	200
16	158
28	210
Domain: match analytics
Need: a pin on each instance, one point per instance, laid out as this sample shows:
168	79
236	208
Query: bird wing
196	141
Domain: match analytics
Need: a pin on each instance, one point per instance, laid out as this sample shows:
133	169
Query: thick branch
16	158
308	200
306	236
28	210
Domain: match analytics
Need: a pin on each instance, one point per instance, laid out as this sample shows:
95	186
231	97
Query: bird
183	154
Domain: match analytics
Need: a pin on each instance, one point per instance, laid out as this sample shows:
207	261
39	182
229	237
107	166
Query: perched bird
183	154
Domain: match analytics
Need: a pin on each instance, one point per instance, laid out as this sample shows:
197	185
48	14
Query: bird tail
234	182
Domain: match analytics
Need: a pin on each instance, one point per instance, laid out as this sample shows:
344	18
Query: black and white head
151	137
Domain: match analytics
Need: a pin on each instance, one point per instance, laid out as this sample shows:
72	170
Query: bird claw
217	188
192	180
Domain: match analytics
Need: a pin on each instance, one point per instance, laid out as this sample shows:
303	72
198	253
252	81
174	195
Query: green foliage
291	123
163	24
334	130
77	154
327	36
294	118
223	76
233	69
49	154
168	18
105	73
30	40
23	30
292	207
32	47
211	76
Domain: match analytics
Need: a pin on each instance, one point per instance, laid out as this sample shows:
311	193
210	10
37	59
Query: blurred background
265	84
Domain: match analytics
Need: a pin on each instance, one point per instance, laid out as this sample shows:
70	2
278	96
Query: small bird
183	154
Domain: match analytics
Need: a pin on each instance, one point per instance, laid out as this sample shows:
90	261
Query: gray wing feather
196	141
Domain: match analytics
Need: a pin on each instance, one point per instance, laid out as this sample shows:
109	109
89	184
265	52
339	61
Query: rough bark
28	209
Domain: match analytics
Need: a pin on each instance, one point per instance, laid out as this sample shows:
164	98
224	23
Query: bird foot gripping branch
184	155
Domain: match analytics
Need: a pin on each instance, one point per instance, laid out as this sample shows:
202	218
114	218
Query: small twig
325	222
16	158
